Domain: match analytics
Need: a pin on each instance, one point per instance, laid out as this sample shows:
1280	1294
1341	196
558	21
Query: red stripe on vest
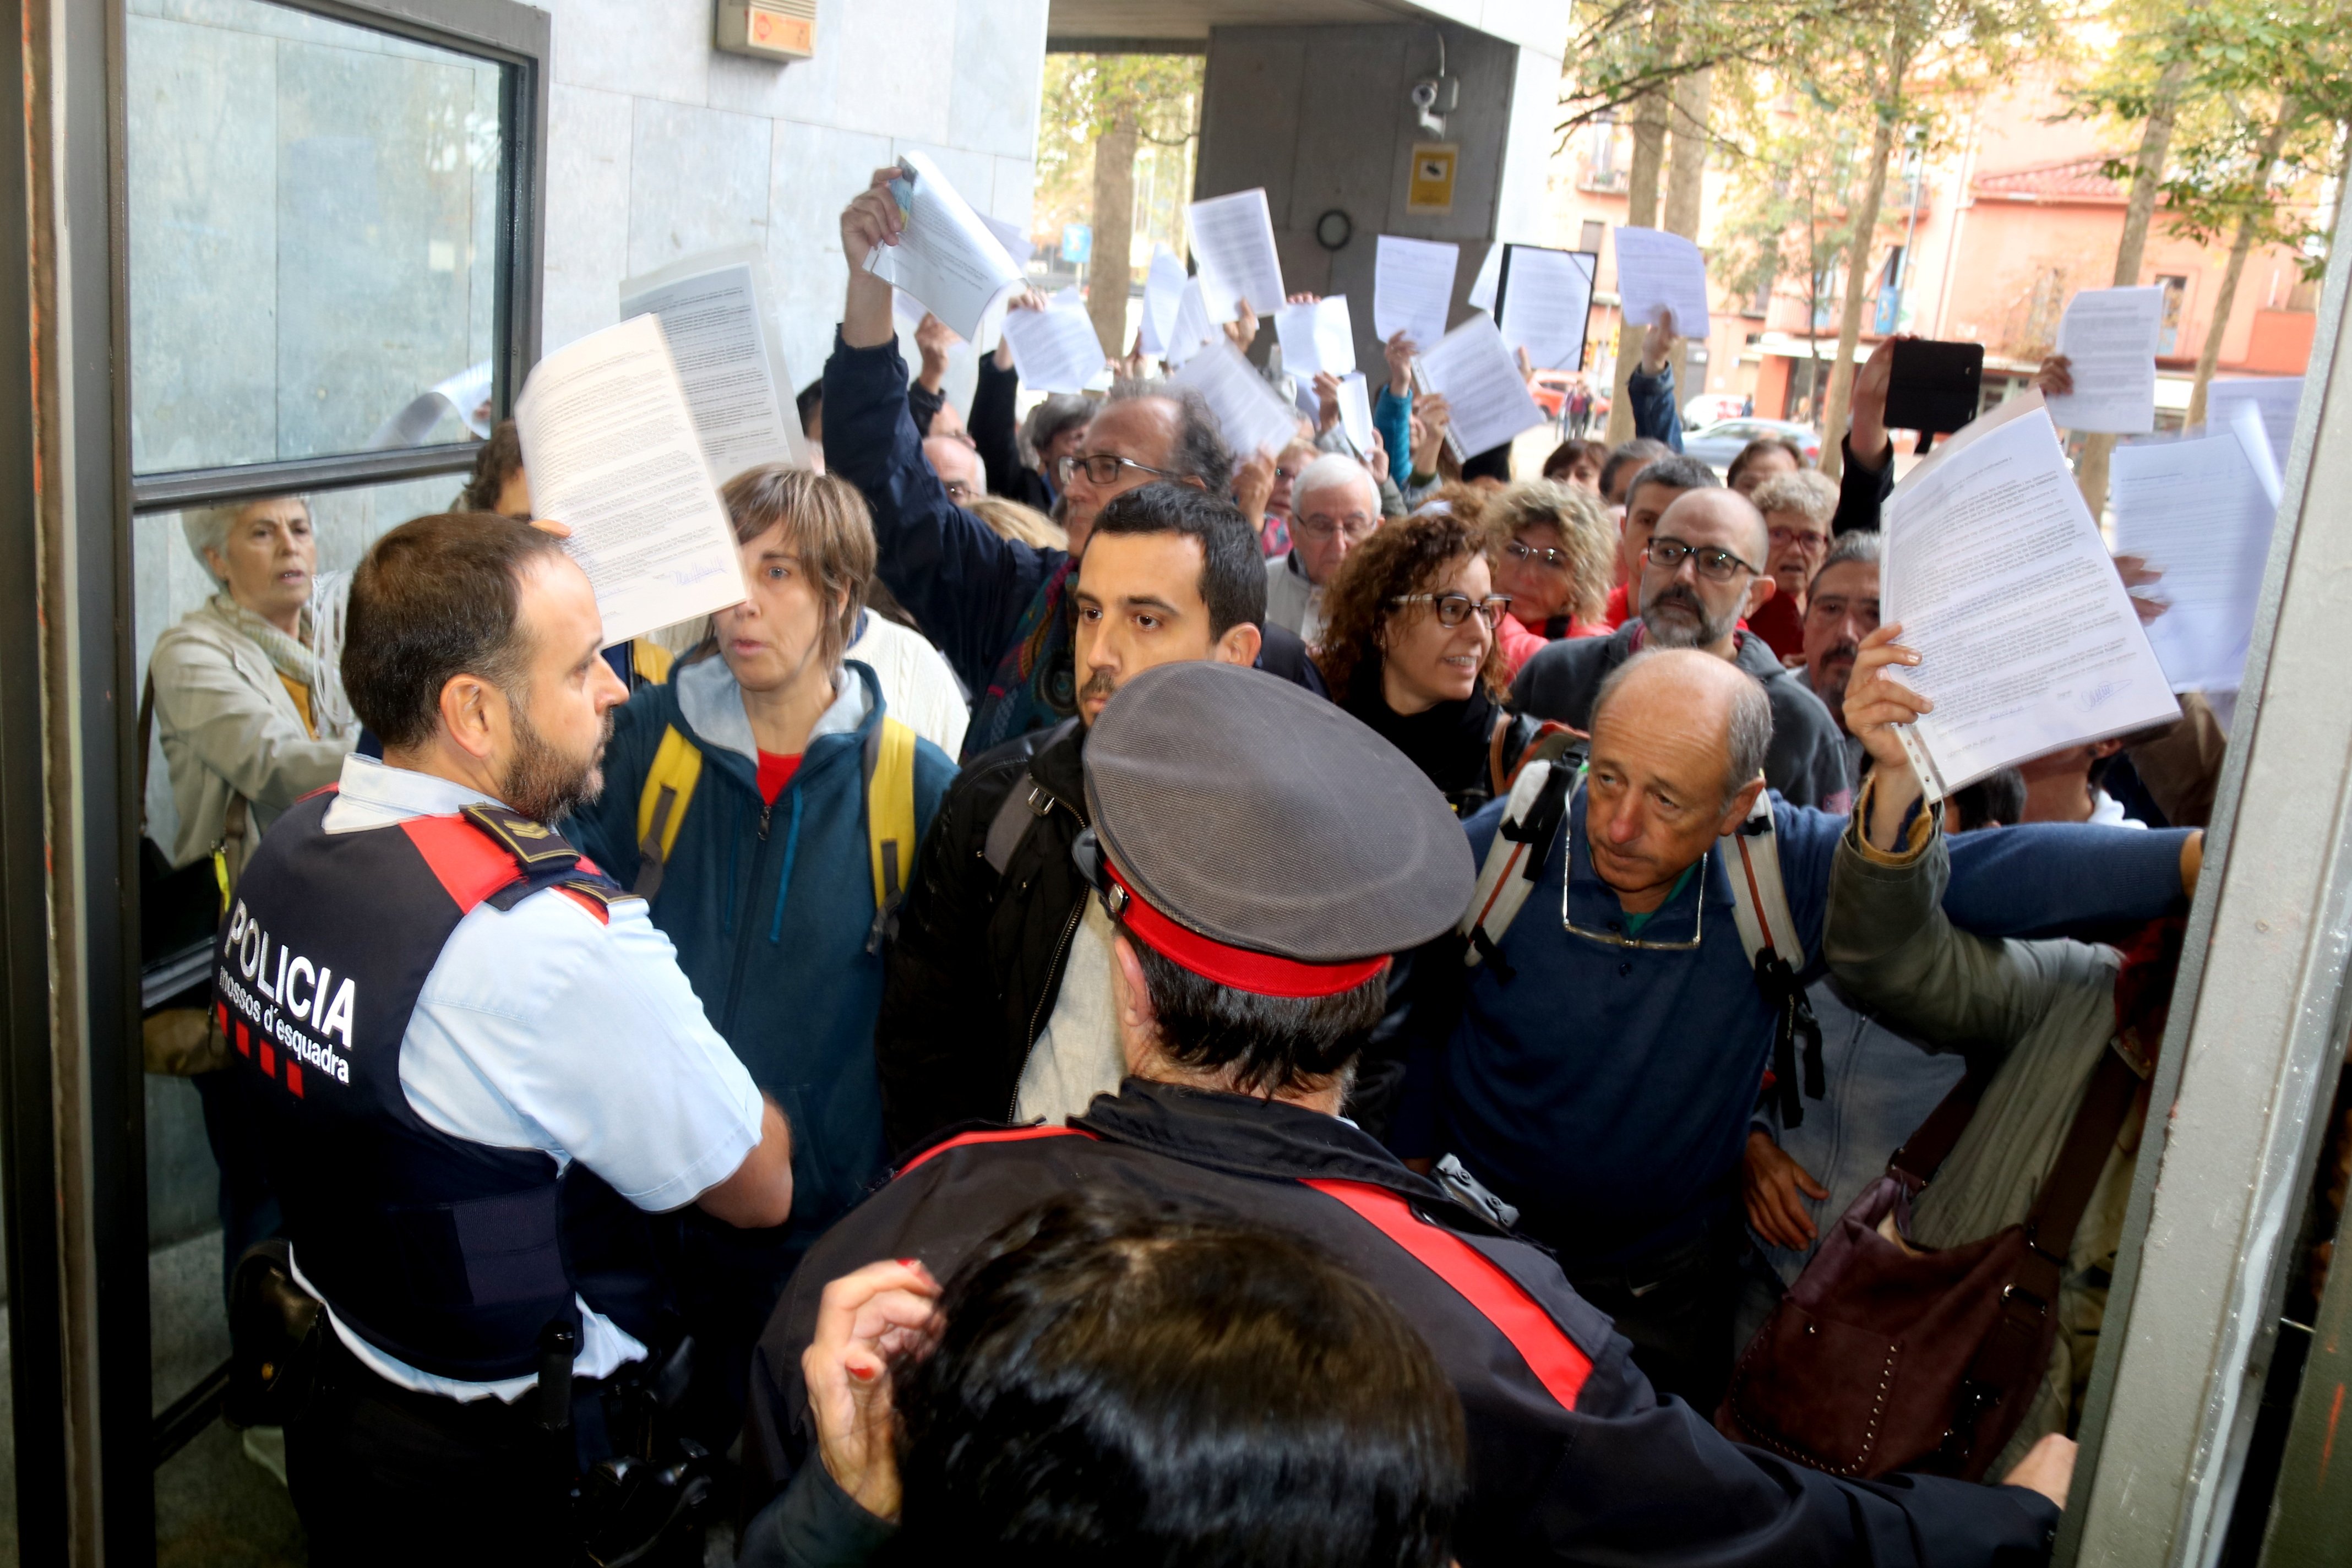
244	1041
1502	1300
268	1059
294	1076
1008	1135
470	866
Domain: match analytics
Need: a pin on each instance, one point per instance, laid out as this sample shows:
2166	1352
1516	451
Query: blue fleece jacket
770	908
1392	418
1607	1090
1652	398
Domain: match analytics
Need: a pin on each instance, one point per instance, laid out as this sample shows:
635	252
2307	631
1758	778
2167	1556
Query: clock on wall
1334	230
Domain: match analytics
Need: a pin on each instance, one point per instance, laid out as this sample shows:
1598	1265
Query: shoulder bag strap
2058	1212
1923	1153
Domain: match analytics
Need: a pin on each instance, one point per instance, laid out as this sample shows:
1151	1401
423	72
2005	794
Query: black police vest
450	1255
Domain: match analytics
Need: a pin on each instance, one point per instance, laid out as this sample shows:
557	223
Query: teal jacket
771	908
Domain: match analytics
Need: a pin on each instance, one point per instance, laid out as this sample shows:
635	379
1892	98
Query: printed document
1253	415
2274	398
1191	329
719	316
1056	349
2110	336
1543	298
947	256
1412	289
1016	244
1316	337
1355	411
609	440
1657	271
1163	289
2029	641
1482	385
1489	278
1233	238
2199	510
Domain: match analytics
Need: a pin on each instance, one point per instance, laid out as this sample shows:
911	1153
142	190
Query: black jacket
995	436
1578	1462
1861	491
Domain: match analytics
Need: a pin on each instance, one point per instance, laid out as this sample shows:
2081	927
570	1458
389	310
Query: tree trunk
1108	274
2239	250
1857	273
1641	211
1684	190
2147	176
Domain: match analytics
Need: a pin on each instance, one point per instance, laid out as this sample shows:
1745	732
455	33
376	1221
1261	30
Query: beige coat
227	726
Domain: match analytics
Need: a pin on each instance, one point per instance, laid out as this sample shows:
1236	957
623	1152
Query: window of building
1592	234
2176	294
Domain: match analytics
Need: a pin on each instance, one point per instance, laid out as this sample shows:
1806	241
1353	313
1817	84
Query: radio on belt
768	29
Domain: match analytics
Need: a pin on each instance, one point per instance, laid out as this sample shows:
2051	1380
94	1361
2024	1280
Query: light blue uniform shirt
544	1028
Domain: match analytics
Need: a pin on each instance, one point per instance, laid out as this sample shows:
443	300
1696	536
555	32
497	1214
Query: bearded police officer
480	1072
1260	854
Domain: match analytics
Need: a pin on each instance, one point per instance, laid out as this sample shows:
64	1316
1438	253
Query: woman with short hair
1554	555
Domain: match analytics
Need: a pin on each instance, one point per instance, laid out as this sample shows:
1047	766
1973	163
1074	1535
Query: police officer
480	1072
1246	972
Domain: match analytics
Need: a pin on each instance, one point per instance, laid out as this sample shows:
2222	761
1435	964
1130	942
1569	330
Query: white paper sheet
1482	386
1996	573
1253	415
947	256
1482	288
609	441
1544	300
1163	291
1316	337
2274	398
719	317
2199	510
1660	270
1191	329
1056	349
1412	288
1355	410
2110	336
1233	238
1016	244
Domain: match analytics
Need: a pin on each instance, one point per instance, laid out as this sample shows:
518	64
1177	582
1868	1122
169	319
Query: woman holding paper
770	809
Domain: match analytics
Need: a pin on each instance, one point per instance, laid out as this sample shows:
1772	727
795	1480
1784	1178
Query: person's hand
1399	350
1773	1181
2136	574
1866	412
1327	400
1021	300
1527	365
2048	1467
1379	456
1241	330
1303	300
934	338
1875	702
1434	417
1254	487
2056	376
1658	342
1131	367
871	220
863	1321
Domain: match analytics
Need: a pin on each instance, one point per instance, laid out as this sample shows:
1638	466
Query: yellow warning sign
1431	189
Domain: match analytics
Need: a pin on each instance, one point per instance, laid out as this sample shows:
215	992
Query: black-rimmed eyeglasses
1453	609
1716	565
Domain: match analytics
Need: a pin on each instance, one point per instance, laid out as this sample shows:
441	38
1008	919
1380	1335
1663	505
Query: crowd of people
1039	997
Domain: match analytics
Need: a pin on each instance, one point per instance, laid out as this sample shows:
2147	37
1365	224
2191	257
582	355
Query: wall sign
1431	189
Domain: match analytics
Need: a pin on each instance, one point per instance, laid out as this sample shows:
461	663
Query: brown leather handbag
1881	1358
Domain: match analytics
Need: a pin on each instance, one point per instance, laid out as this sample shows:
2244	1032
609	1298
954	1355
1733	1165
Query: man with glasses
1334	507
1797	507
1700	571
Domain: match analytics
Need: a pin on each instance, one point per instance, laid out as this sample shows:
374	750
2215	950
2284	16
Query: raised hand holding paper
1055	348
1355	410
2274	398
2199	512
1412	288
1233	238
1316	337
1253	415
719	316
610	444
1657	271
1481	383
1544	299
2029	641
947	256
2109	337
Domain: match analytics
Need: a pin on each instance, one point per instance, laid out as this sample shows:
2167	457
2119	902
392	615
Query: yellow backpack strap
650	660
889	820
661	807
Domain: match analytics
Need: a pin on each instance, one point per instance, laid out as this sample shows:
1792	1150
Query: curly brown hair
1407	555
1586	534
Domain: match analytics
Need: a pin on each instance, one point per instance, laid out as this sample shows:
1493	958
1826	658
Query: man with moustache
1700	570
477	1069
996	1001
1840	609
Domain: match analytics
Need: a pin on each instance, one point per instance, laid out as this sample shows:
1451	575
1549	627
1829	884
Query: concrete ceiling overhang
1109	25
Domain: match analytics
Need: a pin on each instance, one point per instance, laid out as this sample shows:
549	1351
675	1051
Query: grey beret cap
1264	816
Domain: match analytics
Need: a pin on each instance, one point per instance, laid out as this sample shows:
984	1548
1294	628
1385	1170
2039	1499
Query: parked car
1706	407
1550	389
1719	443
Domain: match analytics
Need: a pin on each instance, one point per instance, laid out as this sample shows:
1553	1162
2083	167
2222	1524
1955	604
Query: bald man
1599	1070
1701	574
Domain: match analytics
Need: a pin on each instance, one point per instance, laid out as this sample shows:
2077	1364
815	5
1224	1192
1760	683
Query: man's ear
1741	804
1138	1022
1240	645
1760	589
474	713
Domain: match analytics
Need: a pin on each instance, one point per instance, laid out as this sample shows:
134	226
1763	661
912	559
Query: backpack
887	759
1536	813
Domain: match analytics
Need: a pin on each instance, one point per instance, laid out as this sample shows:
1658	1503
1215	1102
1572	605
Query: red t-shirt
1781	626
1619	609
775	772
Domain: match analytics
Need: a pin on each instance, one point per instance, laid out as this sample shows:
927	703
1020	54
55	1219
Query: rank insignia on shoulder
534	845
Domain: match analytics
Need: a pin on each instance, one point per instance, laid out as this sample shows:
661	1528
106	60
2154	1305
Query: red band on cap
1259	974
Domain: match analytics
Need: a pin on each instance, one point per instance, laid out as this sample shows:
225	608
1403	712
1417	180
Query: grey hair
1748	738
1864	545
1676	472
1328	472
207	527
1050	418
1808	492
1201	452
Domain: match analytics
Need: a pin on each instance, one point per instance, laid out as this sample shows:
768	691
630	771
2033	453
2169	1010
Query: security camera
1424	94
1432	99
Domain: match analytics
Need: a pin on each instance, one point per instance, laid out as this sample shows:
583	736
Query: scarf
291	656
1034	686
1447	742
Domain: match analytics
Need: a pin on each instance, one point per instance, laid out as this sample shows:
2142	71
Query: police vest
450	1255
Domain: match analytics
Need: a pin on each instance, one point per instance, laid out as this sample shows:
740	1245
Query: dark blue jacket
1607	1090
771	907
1653	397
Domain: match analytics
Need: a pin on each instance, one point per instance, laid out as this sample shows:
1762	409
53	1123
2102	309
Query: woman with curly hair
1408	649
1554	553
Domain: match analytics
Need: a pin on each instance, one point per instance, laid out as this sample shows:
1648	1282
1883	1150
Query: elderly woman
1798	507
1408	649
1554	555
